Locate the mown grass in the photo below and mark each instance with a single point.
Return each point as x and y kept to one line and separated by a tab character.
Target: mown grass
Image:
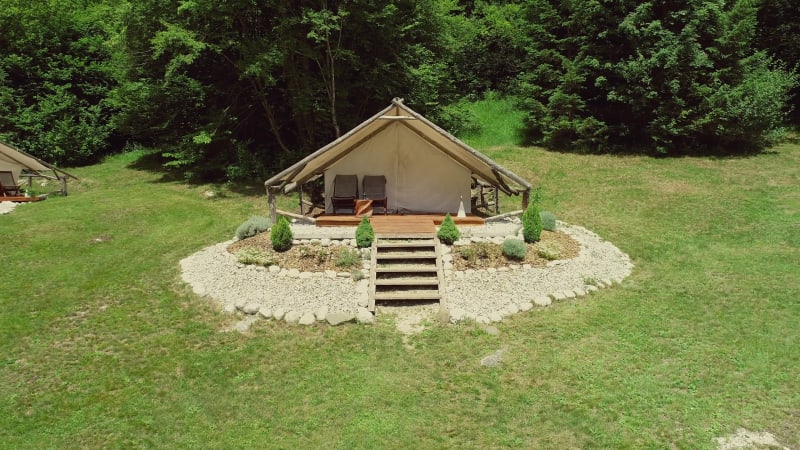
102	345
498	121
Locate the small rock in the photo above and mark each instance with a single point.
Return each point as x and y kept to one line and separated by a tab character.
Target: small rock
296	242
251	308
527	306
283	272
477	239
363	300
322	312
526	266
492	360
445	250
607	282
274	269
492	331
278	313
315	241
325	242
362	287
292	317
244	325
265	312
339	317
491	270
294	273
512	309
330	273
240	304
514	266
343	274
306	275
579	292
230	308
503	269
364	316
470	271
569	294
307	319
483	320
447	266
443	315
558	296
495	317
542	301
456	315
591	288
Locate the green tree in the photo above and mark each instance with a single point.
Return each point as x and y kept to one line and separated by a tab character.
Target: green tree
56	75
652	76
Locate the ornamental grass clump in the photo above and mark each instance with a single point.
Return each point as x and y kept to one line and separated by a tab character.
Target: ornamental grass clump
252	227
346	257
448	233
281	235
531	224
514	249
364	234
253	256
548	220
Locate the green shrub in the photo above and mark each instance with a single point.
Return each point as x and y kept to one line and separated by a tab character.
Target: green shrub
548	220
364	234
448	233
317	252
531	224
252	227
547	252
281	235
253	256
347	257
467	253
514	249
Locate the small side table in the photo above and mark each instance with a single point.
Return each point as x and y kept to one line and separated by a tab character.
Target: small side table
363	207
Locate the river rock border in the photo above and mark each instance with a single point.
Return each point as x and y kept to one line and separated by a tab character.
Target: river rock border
483	296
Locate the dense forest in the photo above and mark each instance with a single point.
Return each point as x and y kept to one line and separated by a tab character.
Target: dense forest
238	89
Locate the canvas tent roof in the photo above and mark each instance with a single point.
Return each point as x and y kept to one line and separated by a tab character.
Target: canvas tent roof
18	162
480	166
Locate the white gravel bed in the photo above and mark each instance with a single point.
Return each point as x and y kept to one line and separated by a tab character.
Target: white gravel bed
7	207
486	295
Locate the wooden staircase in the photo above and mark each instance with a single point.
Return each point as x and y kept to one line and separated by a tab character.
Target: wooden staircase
406	268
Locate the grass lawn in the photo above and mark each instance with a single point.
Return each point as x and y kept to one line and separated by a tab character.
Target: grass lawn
102	345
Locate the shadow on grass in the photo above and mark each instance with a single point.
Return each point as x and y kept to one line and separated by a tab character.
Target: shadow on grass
154	162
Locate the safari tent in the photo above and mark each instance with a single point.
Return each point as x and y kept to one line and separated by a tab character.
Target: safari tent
427	169
22	165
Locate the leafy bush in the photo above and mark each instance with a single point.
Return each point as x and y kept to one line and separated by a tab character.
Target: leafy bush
548	252
253	256
252	227
448	233
531	224
347	257
281	235
548	220
514	249
317	252
364	234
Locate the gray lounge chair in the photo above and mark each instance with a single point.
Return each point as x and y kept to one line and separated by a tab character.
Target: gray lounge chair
8	187
375	189
345	193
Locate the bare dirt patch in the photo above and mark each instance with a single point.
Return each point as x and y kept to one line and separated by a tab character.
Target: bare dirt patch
306	258
483	255
744	439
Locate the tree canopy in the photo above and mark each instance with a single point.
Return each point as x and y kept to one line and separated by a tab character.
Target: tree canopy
242	88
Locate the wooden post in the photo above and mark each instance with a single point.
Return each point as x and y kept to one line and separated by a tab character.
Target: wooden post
300	191
64	186
526	198
496	201
273	211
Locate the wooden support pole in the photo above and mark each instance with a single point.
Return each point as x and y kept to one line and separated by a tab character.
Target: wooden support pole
526	198
273	213
496	201
64	186
300	192
500	217
297	216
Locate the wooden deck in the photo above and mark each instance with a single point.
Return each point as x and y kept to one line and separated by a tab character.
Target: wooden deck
398	224
20	199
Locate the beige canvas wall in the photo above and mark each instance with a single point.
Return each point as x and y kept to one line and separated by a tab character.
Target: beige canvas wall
419	177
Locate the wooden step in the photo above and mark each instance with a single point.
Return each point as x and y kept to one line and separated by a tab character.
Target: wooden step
406	282
399	296
406	255
421	243
410	269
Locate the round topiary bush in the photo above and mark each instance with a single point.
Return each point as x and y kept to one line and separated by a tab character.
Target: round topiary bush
448	233
531	224
252	227
514	249
364	234
548	220
281	235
